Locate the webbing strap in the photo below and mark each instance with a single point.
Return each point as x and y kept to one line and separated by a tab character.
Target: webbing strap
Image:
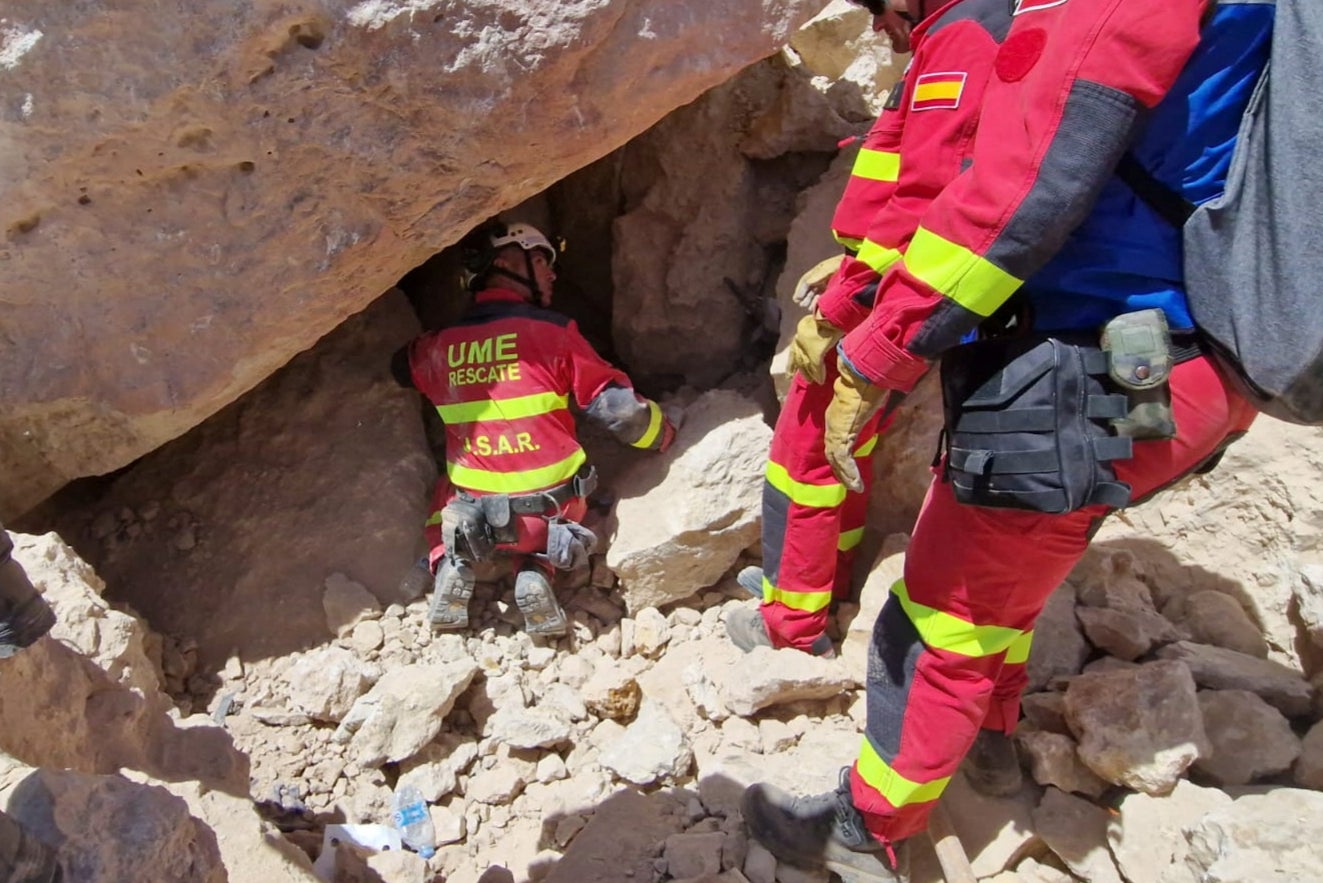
985	462
1113	447
1106	407
1027	420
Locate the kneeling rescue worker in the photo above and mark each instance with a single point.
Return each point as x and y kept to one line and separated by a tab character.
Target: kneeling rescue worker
516	478
1101	397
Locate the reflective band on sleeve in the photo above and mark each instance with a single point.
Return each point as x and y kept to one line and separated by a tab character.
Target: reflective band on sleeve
654	426
848	242
867	447
956	272
849	539
1018	652
815	496
877	165
878	257
433	519
503	409
809	602
898	790
515	482
942	631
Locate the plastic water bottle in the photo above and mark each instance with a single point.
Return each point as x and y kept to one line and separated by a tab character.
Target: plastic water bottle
413	821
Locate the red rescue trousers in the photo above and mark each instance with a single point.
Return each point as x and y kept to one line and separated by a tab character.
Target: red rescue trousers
975	581
812	525
531	530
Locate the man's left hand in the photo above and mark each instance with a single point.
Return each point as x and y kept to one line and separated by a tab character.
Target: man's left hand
854	401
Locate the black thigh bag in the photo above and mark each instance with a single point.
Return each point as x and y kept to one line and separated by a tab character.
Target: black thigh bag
1027	426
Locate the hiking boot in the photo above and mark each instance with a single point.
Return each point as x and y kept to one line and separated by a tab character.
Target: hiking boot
449	608
823	831
537	602
24	614
25	858
751	580
992	766
747	629
417	581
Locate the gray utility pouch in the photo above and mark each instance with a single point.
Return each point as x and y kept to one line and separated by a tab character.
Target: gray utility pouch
464	531
1027	426
1140	358
499	515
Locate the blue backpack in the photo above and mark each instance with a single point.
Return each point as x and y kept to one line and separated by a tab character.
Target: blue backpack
1254	256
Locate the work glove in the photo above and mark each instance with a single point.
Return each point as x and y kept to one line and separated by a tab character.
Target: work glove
854	401
811	285
814	338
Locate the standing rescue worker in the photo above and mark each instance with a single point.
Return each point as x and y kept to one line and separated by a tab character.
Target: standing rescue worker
812	523
516	478
1079	85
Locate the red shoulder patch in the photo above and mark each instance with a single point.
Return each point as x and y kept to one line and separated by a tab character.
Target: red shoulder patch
1018	55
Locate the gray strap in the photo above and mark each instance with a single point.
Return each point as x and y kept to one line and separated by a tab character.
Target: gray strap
1106	407
985	462
1027	420
1113	447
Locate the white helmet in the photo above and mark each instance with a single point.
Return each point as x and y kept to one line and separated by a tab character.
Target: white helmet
527	237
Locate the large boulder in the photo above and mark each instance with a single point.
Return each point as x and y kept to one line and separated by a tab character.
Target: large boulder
194	193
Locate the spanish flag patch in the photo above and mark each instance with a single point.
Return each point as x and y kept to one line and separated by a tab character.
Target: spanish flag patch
1022	6
939	91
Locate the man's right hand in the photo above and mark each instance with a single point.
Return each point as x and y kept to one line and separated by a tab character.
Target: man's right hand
814	338
811	285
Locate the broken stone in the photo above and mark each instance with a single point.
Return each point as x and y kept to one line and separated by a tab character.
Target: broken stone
346	604
1054	761
1250	739
403	711
1075	830
1059	648
326	683
1216	618
1147	834
1217	668
651	748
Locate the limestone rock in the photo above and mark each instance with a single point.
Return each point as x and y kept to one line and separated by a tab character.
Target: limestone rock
1059	648
619	842
1249	738
685	518
403	711
347	603
325	683
691	855
436	768
538	727
1281	830
239	150
1220	669
771	677
1140	728
1054	761
649	749
1216	618
85	815
1147	835
1308	772
1074	829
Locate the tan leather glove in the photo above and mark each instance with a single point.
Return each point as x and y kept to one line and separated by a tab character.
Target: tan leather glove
814	338
855	400
811	285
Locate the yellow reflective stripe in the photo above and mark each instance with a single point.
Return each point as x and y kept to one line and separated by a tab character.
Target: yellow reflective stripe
877	165
503	409
1018	652
849	539
898	790
878	257
956	272
433	519
848	242
516	482
817	496
654	426
942	631
809	602
867	447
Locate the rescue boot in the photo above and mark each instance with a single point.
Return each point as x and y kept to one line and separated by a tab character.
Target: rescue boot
449	608
24	614
537	602
992	766
415	582
24	858
823	831
751	580
747	629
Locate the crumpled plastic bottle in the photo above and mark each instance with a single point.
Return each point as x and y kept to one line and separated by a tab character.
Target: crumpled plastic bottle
414	822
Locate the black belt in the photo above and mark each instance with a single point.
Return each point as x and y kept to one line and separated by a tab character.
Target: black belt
555	498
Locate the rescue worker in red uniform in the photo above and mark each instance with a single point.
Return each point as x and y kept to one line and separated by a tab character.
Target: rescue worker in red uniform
812	523
516	478
1078	85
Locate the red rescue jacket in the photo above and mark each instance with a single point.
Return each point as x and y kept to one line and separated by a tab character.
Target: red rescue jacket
502	380
929	123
